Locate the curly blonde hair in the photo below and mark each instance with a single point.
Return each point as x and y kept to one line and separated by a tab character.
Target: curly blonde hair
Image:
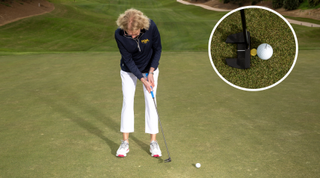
133	19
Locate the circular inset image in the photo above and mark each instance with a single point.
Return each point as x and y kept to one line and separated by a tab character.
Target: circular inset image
253	48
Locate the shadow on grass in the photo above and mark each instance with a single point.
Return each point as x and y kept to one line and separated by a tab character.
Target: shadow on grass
144	147
96	131
67	108
221	45
224	33
62	108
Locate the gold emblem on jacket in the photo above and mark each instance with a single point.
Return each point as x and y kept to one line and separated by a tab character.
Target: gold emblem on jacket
145	41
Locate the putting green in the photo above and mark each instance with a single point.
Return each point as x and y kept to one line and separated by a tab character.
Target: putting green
60	116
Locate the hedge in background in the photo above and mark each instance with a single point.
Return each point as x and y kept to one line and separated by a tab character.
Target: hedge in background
313	3
291	4
277	3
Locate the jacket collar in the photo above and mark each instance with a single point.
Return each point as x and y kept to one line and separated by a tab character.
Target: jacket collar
122	33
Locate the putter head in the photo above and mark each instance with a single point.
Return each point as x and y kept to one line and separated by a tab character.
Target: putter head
243	42
167	160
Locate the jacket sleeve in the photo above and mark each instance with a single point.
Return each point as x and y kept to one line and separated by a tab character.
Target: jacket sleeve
127	59
156	47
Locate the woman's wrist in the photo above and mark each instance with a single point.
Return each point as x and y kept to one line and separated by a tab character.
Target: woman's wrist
151	70
142	79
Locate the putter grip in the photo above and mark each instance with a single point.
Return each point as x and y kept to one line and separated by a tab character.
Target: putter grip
152	93
150	86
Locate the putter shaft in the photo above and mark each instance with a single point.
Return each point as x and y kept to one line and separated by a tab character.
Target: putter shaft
164	138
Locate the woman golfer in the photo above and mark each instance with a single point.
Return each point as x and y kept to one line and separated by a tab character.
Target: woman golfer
139	43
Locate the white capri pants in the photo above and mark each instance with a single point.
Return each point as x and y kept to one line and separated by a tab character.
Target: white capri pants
129	81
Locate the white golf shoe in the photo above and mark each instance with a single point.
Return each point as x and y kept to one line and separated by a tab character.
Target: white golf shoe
123	149
155	149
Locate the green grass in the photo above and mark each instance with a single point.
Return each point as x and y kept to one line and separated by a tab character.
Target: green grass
60	109
304	19
307	37
262	73
90	26
60	117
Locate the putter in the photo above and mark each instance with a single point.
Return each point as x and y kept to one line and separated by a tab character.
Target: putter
242	40
164	138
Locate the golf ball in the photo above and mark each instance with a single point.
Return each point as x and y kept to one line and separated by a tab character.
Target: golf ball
264	51
198	165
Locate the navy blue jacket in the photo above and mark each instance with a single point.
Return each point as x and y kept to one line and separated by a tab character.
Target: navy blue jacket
141	53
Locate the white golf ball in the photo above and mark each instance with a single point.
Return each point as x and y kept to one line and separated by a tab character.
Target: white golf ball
264	51
198	165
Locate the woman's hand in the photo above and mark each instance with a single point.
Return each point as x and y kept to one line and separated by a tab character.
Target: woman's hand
147	84
150	79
